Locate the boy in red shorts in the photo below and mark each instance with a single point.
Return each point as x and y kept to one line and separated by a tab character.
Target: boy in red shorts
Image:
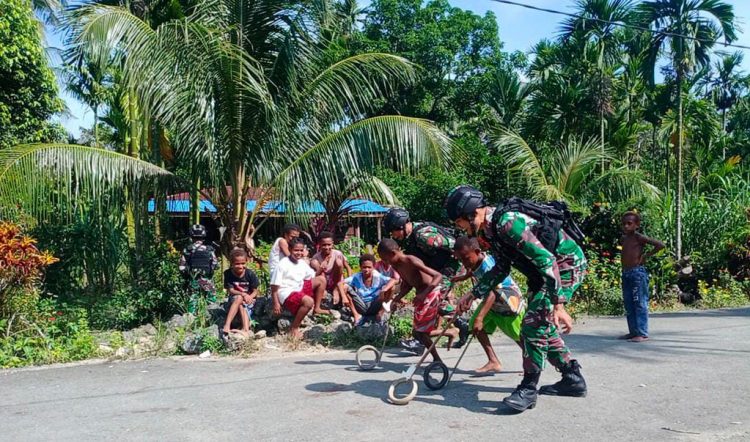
427	284
292	286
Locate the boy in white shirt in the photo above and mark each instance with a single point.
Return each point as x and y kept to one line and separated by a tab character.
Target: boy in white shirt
292	286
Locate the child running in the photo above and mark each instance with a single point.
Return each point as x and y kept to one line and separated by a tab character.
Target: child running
370	289
502	309
241	285
634	276
427	284
292	286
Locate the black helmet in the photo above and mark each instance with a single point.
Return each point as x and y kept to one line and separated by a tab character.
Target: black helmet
197	231
395	219
462	201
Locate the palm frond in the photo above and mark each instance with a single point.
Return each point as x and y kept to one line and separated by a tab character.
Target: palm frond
351	86
33	174
401	143
521	158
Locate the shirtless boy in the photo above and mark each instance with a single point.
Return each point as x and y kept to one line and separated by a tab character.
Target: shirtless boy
427	285
634	276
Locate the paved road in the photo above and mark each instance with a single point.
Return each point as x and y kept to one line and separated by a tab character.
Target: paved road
691	382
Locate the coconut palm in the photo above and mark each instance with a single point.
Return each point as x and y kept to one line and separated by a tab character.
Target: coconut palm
570	173
598	23
249	99
687	31
725	84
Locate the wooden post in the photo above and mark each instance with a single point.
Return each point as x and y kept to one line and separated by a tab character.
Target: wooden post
380	228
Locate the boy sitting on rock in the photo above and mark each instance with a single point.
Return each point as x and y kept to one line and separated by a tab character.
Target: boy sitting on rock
329	265
502	309
427	284
369	289
292	286
241	285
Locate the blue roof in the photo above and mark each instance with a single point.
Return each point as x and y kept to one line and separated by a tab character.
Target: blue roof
313	207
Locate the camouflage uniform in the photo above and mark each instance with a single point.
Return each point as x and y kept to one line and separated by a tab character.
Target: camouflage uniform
435	248
552	279
200	285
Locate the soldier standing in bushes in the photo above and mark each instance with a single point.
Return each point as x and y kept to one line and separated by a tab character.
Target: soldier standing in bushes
197	264
553	264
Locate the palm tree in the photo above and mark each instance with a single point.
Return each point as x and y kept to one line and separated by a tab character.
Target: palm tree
248	98
570	173
597	23
726	84
687	30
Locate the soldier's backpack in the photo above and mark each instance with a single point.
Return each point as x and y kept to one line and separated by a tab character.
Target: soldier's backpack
551	217
200	259
434	259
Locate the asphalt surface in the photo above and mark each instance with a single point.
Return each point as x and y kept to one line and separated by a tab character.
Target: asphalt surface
690	382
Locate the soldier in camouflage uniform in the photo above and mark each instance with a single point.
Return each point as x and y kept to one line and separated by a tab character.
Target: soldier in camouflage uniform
512	239
197	265
433	244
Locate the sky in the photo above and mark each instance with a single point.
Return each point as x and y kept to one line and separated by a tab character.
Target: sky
520	28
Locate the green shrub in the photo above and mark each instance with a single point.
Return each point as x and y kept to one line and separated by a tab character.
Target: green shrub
600	293
723	292
57	334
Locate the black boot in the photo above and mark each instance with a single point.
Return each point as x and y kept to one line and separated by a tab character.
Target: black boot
571	384
524	397
463	332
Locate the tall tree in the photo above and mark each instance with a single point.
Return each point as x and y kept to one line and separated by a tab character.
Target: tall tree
687	30
246	93
28	91
726	83
598	23
455	48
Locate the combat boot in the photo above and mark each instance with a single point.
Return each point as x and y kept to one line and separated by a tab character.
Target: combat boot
524	397
571	384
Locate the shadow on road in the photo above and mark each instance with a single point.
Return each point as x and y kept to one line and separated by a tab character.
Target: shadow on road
457	394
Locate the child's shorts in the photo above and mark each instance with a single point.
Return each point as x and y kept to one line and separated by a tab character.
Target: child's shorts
248	307
426	311
509	324
294	301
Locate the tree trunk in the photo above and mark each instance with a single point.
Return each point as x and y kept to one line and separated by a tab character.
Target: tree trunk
678	202
724	129
96	123
195	200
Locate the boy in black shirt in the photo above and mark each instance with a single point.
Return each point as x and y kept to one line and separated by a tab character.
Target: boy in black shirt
241	285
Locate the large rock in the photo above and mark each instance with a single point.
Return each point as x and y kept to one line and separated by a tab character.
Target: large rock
137	333
340	329
191	344
180	321
371	331
283	325
236	341
217	312
315	333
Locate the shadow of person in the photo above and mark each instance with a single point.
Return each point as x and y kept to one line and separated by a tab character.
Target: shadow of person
457	394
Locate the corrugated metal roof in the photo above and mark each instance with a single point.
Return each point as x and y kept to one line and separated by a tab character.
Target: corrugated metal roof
356	206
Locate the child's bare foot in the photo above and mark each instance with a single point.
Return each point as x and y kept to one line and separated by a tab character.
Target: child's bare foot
490	367
295	334
357	317
245	333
